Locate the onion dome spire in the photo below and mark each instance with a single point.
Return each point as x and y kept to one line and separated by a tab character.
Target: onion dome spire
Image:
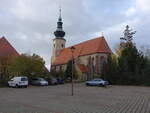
59	33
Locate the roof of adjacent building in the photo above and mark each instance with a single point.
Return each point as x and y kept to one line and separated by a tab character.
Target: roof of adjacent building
6	49
96	45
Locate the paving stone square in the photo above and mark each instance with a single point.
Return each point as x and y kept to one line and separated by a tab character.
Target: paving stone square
58	99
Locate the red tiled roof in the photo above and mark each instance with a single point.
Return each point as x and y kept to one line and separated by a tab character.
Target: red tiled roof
6	48
83	68
97	45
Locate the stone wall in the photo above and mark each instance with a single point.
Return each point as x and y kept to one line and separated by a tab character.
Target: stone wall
92	61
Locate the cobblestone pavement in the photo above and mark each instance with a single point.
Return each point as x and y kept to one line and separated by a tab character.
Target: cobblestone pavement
57	99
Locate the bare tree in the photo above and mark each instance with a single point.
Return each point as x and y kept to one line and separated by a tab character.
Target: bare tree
145	50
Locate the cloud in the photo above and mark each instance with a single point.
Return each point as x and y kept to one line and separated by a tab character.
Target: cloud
29	24
113	33
143	5
131	11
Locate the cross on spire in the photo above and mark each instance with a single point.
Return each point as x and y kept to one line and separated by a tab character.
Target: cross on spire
102	34
60	19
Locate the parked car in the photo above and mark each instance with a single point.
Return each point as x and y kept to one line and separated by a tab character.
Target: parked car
39	81
97	82
60	80
52	81
21	81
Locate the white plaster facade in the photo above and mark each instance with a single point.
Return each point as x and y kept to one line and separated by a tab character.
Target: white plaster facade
57	45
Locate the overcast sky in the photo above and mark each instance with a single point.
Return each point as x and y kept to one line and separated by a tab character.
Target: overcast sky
29	24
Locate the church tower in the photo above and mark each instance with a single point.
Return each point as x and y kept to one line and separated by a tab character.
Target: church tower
58	41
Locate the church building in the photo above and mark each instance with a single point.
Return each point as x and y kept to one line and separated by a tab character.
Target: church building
89	56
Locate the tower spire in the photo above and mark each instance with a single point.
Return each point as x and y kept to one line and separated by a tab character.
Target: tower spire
59	33
58	41
60	19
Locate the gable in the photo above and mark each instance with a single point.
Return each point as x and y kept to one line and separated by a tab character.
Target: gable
6	49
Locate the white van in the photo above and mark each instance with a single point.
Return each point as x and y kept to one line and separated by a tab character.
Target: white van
21	81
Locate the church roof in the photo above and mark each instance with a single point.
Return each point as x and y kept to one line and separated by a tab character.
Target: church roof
96	45
6	49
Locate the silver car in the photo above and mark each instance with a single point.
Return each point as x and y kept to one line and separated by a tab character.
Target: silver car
39	81
97	82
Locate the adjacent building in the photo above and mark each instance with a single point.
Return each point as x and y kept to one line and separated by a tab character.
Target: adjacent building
7	51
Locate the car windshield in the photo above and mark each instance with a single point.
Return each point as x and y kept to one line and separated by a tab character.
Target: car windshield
97	80
53	78
41	79
24	79
11	79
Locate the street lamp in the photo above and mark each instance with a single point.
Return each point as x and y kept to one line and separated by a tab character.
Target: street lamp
72	51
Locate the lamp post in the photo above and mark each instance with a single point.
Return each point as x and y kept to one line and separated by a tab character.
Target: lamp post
72	51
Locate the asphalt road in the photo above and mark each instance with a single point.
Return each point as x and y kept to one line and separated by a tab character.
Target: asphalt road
58	99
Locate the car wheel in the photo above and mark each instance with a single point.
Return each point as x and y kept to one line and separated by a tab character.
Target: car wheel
105	86
25	86
87	84
17	86
100	85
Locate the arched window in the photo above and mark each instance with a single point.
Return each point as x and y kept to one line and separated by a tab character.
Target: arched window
102	64
62	45
96	58
97	64
89	60
93	59
102	57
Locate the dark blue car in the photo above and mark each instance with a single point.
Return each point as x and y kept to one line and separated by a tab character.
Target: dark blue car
60	81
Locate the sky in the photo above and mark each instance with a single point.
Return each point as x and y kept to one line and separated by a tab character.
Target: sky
29	24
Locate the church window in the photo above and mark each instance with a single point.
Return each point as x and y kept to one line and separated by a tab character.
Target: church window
62	45
102	63
89	60
60	68
102	57
93	59
96	58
